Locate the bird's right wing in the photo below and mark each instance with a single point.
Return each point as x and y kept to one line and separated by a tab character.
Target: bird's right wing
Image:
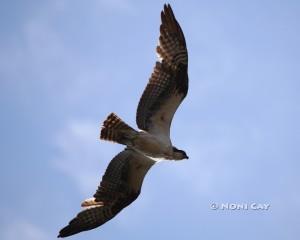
120	186
168	84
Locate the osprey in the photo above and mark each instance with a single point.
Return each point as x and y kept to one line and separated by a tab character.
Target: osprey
123	178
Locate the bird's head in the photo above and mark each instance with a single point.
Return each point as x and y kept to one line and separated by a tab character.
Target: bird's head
179	154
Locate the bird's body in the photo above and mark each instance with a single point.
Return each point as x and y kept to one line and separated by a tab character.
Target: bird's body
152	146
167	87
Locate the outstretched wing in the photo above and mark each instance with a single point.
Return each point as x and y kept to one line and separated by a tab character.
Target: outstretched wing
168	84
120	186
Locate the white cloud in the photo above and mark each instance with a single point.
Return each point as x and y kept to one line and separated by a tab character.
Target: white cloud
120	5
24	230
40	53
81	156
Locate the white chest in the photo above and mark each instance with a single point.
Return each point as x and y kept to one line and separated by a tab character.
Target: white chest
152	146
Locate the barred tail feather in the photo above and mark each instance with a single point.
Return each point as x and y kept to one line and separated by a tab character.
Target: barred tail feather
116	130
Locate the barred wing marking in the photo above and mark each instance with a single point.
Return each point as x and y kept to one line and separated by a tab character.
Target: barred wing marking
120	186
168	84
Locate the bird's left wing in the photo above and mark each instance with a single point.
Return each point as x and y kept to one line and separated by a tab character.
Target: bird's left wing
168	84
120	186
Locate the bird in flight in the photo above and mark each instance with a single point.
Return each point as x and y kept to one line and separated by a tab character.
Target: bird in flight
123	178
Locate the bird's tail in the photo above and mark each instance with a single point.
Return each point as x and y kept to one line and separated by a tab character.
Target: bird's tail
116	130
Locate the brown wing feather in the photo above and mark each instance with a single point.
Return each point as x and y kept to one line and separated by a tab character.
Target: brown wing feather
168	84
120	186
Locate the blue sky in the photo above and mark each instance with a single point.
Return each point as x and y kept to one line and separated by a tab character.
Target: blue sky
65	65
